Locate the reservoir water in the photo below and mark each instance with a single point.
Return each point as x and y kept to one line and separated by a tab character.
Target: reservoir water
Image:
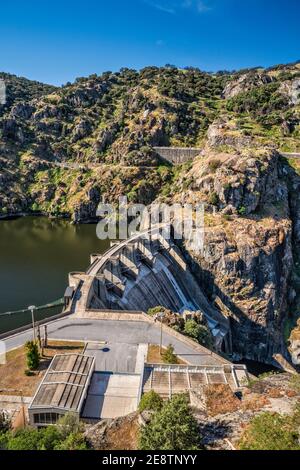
36	255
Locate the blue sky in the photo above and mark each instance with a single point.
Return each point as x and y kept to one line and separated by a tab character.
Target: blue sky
57	41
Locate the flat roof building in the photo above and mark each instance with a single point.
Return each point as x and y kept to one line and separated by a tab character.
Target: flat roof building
62	390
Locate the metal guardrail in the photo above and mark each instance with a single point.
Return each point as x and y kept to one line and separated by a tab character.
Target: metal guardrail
28	327
56	303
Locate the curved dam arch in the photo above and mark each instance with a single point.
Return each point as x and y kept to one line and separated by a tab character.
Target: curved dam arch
143	272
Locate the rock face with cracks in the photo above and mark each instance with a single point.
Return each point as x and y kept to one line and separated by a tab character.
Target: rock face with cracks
247	259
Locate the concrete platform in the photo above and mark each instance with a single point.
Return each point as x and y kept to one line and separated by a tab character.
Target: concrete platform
113	357
111	395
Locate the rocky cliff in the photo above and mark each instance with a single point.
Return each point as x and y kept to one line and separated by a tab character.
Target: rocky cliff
62	150
94	137
247	261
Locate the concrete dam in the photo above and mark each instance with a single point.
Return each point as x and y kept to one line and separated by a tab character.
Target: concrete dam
142	272
180	155
177	155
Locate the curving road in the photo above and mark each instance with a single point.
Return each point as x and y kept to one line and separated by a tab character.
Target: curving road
119	336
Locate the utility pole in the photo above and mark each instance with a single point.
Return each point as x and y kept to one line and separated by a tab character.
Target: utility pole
40	339
39	335
161	316
32	309
46	336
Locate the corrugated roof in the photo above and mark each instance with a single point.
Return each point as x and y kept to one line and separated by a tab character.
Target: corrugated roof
64	383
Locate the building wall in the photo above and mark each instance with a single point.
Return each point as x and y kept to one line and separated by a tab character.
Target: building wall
47	419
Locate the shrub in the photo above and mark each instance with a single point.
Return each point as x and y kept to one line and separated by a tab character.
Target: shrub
214	165
50	437
33	355
67	435
295	382
171	428
3	440
35	207
75	441
69	424
270	431
198	332
155	310
262	100
168	355
151	401
25	439
213	199
242	210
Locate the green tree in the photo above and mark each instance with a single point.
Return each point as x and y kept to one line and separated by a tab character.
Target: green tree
66	435
172	428
213	199
74	441
24	439
198	332
270	431
153	311
168	355
151	401
192	329
32	355
50	437
3	440
69	424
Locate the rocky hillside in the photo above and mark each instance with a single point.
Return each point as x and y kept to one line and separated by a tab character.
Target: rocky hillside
247	262
62	150
224	419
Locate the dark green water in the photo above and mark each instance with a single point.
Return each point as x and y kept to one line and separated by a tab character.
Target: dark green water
36	255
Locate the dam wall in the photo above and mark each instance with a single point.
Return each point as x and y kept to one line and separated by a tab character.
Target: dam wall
177	155
180	155
143	272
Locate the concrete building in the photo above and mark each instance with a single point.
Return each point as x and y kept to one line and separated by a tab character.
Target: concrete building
62	390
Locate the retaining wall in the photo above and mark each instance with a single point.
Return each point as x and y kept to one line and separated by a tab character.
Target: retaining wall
177	155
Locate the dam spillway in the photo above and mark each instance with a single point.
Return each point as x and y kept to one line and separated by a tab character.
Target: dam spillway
140	273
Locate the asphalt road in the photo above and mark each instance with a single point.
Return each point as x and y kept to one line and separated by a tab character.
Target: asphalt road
115	334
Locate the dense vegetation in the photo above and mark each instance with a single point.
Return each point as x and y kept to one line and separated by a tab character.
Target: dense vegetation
168	355
151	401
260	103
20	89
113	120
171	428
66	436
272	431
198	332
32	355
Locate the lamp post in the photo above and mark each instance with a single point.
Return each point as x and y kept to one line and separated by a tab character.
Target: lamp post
32	309
161	316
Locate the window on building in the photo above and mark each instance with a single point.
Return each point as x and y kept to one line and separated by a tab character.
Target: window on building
46	418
